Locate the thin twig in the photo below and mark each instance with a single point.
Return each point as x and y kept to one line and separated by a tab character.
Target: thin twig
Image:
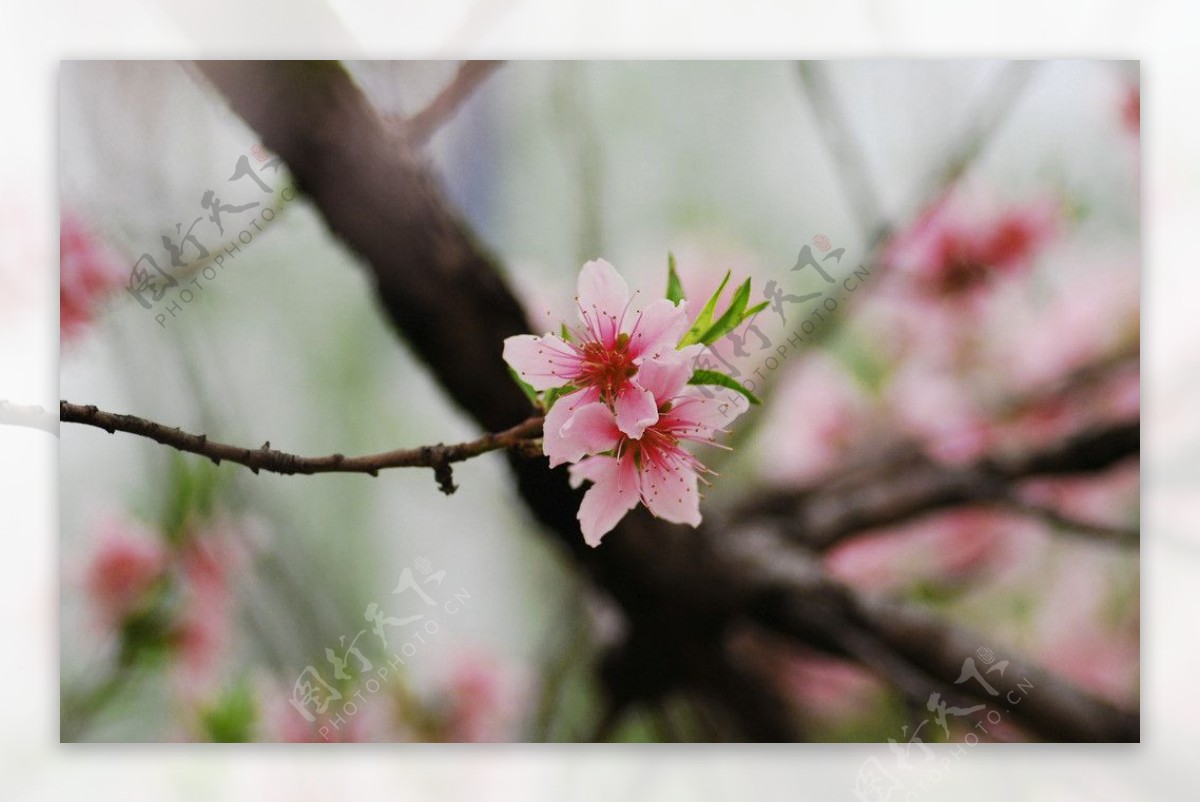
438	457
420	127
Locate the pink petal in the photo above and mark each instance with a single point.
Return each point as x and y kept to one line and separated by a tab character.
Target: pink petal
636	409
695	415
603	297
614	493
559	449
591	429
666	377
671	493
544	362
658	329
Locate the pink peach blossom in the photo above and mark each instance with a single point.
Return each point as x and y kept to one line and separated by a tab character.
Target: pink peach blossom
654	469
128	562
486	699
88	270
1131	110
818	415
603	359
208	562
959	245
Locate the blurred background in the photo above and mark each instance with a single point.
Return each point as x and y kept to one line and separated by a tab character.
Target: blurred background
991	209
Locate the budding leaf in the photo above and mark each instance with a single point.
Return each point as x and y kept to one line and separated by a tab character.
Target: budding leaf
565	333
674	286
704	320
718	378
732	317
757	308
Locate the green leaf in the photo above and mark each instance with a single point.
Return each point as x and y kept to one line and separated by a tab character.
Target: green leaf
718	378
554	394
527	388
732	317
757	308
565	333
674	286
704	320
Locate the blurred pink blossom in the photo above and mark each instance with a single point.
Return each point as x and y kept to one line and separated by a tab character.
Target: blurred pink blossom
1131	109
1077	634
88	271
952	548
827	687
960	244
485	700
817	415
375	718
1108	498
129	560
939	409
208	561
1089	316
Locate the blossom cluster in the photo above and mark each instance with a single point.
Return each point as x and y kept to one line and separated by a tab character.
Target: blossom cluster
622	398
960	244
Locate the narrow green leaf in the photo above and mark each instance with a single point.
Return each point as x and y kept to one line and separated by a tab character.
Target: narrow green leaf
732	317
704	320
565	333
757	308
674	286
527	388
718	378
554	394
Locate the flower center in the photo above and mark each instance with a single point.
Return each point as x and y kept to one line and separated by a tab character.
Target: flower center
607	369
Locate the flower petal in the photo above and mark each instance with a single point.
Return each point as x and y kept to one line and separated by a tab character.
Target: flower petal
603	297
544	362
658	329
635	408
697	412
614	493
590	429
670	492
666	377
558	448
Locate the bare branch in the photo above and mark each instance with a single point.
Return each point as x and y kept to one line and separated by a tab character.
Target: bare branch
914	649
841	143
438	457
894	491
420	127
